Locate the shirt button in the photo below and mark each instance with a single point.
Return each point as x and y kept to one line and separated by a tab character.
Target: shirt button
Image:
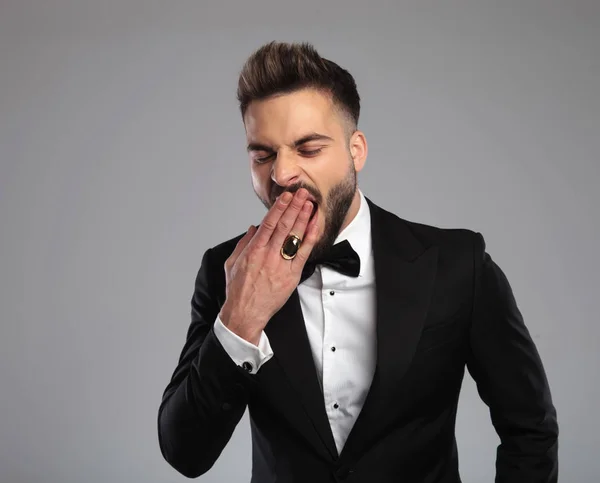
247	366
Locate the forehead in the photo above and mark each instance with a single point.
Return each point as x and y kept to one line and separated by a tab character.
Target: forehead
286	117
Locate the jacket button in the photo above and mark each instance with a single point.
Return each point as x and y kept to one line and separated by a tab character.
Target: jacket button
343	473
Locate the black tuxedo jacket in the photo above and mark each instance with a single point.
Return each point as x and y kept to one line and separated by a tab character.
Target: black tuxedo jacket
442	305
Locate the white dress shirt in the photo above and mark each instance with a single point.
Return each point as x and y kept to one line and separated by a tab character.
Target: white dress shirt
339	315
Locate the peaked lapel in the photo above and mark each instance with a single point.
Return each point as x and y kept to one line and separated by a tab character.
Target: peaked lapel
405	272
404	275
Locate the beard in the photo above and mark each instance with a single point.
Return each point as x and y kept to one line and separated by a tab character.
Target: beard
334	208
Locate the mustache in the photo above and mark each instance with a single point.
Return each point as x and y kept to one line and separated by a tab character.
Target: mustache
313	192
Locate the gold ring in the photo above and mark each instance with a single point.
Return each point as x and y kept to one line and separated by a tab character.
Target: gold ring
290	246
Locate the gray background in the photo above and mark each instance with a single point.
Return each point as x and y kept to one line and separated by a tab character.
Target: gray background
122	160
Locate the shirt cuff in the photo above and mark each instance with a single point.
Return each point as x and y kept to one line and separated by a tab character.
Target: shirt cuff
242	352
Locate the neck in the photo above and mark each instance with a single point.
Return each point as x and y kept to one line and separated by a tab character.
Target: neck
352	211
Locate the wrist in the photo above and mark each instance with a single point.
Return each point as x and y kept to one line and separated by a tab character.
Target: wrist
240	326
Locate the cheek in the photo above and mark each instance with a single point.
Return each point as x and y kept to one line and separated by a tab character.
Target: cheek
321	221
260	179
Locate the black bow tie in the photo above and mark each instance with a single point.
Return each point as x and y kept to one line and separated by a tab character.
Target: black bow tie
341	257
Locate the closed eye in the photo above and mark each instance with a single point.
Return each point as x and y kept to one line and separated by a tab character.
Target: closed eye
303	152
312	152
264	159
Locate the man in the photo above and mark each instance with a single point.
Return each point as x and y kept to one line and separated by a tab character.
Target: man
345	329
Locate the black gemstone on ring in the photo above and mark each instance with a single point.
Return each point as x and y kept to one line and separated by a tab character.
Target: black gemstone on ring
291	245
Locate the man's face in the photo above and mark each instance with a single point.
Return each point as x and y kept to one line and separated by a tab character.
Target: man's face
299	140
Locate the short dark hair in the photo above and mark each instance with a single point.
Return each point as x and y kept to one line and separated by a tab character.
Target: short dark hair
283	68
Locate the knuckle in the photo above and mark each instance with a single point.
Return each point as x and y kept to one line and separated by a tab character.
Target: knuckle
285	225
301	257
269	224
277	210
252	256
304	215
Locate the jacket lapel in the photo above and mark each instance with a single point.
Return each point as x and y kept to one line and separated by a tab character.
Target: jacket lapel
405	271
404	275
289	340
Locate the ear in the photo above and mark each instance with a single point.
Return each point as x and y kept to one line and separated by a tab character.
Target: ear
358	149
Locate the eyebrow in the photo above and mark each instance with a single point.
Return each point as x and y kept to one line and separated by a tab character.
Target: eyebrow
305	139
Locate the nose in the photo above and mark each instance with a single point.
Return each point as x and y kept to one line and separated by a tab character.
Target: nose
285	169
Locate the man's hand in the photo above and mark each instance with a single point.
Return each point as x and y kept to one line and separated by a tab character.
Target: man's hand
259	280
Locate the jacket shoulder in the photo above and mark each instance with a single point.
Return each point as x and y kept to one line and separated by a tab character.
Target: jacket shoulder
448	239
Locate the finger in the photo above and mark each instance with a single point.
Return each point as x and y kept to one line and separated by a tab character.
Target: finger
301	222
241	244
269	223
308	242
288	219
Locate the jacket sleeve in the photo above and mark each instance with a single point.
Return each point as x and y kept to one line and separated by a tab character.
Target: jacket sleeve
208	392
510	379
